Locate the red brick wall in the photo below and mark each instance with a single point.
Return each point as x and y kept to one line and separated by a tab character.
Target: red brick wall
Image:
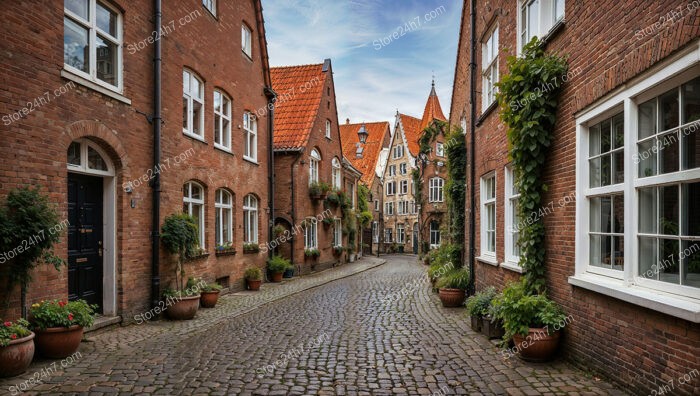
637	347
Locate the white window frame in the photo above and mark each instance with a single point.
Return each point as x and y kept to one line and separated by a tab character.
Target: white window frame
400	233
191	98
336	174
439	149
314	160
311	233
91	25
403	189
375	232
250	135
489	69
511	197
210	5
398	151
224	209
391	188
403	168
220	116
388	235
328	129
250	219
436	187
389	208
337	233
486	203
549	14
392	170
435	237
247	40
376	205
192	205
627	284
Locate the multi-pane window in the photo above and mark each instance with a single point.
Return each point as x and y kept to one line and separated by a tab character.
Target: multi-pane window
512	234
398	151
375	232
436	185
388	235
328	129
224	217
389	208
192	105
537	18
337	233
392	170
210	5
401	208
606	155
434	234
250	134
488	215
311	233
403	168
412	207
193	204
336	174
376	205
250	219
489	69
439	149
314	159
400	233
247	41
222	121
391	188
404	187
92	41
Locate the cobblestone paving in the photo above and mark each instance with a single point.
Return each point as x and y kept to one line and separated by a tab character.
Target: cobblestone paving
340	338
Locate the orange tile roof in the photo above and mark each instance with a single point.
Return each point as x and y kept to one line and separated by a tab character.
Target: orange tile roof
299	91
432	111
412	131
376	133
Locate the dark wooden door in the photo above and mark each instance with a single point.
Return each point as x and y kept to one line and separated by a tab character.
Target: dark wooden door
367	241
85	238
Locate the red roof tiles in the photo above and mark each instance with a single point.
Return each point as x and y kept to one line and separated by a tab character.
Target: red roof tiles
376	133
412	131
432	111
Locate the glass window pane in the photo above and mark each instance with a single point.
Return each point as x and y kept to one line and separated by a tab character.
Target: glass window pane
668	210
618	247
669	110
691	208
78	7
76	50
217	102
601	252
690	135
107	62
668	153
197	117
197	214
618	214
648	258
227	226
691	101
559	9
595	172
217	129
106	20
648	215
619	167
95	161
600	220
669	262
605	170
605	139
196	192
533	19
647	119
74	154
196	88
185	113
618	131
646	158
594	145
690	257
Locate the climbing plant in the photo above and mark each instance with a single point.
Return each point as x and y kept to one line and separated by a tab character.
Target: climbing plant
456	152
528	101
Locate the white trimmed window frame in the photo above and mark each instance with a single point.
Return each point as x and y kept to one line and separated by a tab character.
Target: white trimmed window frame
511	221
389	208
250	219
439	149
400	233
336	174
222	120
337	233
489	69
328	129
195	208
314	160
434	234
546	14
403	168
247	41
376	205
250	135
375	232
210	5
388	235
398	151
403	188
392	170
488	208
91	25
436	185
224	210
191	96
391	188
628	284
311	233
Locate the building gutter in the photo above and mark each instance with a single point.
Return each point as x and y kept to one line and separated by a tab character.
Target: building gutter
271	98
157	122
472	142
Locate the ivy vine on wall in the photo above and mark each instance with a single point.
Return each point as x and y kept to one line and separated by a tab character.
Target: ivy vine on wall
528	97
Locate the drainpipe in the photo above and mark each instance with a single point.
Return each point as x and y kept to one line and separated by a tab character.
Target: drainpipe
294	195
472	151
157	120
271	98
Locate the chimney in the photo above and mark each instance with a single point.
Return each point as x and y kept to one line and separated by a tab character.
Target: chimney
347	121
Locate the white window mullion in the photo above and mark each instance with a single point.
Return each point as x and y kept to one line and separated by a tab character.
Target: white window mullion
631	264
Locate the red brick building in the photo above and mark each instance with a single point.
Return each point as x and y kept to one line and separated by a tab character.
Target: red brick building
88	139
365	157
622	215
308	149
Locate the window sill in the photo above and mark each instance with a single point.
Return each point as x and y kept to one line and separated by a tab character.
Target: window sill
251	160
195	137
95	87
222	148
669	304
486	112
509	265
488	260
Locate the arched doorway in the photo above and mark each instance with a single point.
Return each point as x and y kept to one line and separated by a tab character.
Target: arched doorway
91	230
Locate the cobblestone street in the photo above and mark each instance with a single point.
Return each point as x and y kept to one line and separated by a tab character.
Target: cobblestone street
338	332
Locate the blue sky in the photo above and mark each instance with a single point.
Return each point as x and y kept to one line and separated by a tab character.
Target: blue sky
375	74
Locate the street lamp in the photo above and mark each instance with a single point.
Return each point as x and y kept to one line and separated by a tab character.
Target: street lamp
362	134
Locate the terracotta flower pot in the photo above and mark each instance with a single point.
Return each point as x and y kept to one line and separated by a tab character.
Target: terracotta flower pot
17	356
253	285
209	299
537	346
58	342
452	298
182	308
277	276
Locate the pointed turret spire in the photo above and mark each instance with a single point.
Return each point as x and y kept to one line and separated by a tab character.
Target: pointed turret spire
432	108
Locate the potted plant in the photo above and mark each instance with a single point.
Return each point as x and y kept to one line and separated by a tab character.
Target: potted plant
312	253
209	291
179	236
225	249
327	221
315	190
351	253
277	265
338	250
16	347
325	189
333	198
278	230
533	321
452	287
253	277
289	272
478	307
251	248
28	216
59	326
